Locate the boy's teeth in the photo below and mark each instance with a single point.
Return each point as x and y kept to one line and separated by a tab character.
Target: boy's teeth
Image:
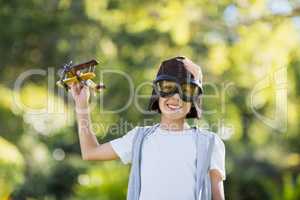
173	107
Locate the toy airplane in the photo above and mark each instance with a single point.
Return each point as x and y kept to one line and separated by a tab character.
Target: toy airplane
82	73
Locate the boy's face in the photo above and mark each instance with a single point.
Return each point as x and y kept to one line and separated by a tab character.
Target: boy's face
174	107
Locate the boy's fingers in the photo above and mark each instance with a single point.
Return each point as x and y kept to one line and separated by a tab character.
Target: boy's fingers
72	86
78	86
74	89
85	87
193	68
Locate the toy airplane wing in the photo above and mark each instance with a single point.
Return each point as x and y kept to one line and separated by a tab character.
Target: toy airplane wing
81	73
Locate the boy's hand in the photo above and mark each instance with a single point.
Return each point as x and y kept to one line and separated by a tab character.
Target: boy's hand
81	94
192	68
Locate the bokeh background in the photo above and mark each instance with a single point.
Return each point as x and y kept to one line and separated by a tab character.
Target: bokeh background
248	50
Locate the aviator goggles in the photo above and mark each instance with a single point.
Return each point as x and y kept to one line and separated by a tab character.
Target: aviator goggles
166	86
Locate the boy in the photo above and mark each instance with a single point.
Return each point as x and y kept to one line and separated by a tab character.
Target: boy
170	160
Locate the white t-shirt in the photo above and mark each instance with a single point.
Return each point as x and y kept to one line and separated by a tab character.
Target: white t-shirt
168	165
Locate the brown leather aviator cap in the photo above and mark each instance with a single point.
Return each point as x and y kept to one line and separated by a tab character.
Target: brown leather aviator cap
176	68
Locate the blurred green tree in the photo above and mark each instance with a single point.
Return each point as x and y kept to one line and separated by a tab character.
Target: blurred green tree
239	44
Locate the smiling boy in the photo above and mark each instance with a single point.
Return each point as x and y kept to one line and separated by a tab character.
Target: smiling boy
170	160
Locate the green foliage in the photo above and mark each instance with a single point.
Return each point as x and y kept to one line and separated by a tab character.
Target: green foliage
291	187
107	181
11	168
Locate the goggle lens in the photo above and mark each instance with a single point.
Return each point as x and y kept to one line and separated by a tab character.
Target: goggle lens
167	86
187	91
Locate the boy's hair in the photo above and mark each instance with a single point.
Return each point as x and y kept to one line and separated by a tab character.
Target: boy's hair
175	67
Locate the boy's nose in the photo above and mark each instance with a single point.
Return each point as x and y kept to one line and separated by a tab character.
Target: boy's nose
175	96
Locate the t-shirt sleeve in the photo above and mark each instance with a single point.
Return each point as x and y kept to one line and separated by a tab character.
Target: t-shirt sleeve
123	146
218	157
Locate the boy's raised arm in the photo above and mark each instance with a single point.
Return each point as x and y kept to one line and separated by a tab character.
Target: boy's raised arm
90	147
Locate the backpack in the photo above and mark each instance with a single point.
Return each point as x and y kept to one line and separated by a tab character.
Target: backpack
204	144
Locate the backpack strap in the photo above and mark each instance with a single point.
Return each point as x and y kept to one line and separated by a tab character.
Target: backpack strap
134	184
204	143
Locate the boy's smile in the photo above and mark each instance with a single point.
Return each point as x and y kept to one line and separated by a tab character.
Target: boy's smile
174	106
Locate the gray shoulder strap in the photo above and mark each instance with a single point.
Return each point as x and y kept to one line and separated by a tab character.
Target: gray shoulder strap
141	133
209	151
206	182
204	152
134	183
